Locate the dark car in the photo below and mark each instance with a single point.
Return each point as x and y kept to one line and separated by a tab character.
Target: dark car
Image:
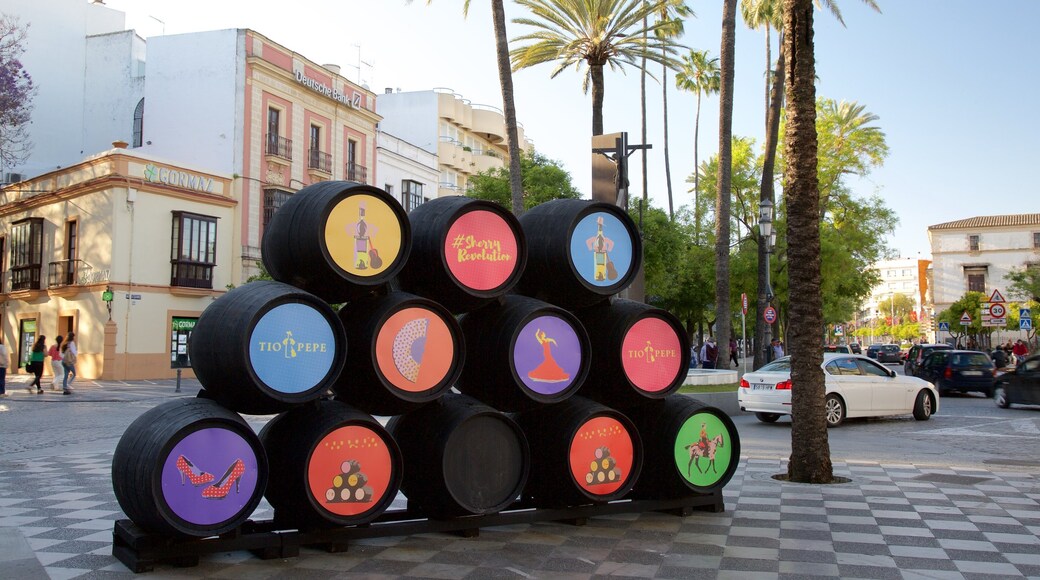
872	350
855	348
837	348
916	355
958	370
886	353
1021	386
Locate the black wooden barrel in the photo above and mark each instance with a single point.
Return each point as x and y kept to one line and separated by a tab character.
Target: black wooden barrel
337	239
189	467
586	453
404	351
640	351
335	466
523	352
465	252
690	447
461	457
578	252
266	346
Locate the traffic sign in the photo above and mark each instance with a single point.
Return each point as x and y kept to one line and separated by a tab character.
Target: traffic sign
769	315
743	303
965	319
1025	324
944	327
1025	313
996	296
997	310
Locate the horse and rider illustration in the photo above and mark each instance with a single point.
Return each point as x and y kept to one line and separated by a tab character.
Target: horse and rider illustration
705	447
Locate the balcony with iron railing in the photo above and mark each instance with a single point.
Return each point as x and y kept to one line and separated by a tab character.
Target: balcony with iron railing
319	160
65	272
279	147
358	173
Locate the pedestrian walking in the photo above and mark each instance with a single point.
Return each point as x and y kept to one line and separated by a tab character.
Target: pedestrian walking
778	349
709	354
36	357
68	361
733	351
4	355
55	353
695	359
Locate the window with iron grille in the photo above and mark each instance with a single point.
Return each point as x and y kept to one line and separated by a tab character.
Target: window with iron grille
973	243
71	250
1036	240
138	124
273	199
26	253
193	250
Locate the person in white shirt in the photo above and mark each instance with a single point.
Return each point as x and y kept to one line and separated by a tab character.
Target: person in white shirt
68	361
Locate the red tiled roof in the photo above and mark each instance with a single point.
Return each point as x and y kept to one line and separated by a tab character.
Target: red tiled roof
991	221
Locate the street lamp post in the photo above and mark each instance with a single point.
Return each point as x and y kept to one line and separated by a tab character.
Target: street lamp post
765	229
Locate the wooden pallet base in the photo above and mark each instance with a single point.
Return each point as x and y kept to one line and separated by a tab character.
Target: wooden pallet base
140	550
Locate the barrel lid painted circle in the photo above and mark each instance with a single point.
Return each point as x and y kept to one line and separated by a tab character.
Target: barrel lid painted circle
481	250
703	449
650	355
209	476
363	235
601	249
547	355
350	470
292	348
601	455
415	349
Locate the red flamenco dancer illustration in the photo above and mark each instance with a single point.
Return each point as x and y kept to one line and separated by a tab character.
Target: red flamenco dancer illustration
233	475
548	371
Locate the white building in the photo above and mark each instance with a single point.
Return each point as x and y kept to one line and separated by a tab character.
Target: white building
904	276
405	171
977	253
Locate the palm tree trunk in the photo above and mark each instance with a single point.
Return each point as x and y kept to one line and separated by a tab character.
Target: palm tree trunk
642	110
596	73
505	76
810	451
697	174
667	165
722	202
766	193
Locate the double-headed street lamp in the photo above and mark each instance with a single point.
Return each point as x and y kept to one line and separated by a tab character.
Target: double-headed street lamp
765	229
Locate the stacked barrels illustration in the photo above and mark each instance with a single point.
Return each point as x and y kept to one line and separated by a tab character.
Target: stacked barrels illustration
564	392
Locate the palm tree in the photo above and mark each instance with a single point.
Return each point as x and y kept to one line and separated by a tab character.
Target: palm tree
698	74
768	14
505	77
810	451
593	32
674	13
723	194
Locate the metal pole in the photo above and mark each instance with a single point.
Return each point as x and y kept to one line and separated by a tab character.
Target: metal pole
767	328
178	381
743	333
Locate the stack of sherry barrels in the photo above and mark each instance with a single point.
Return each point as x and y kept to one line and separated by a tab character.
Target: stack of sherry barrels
476	336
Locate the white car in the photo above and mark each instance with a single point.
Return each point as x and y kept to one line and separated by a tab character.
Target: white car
856	386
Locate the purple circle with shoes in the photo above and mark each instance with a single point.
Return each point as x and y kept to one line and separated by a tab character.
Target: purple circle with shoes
209	476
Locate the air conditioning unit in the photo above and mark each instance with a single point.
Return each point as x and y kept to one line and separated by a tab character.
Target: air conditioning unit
13	177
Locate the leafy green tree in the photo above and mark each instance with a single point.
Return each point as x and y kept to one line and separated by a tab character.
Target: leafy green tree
16	94
899	305
971	303
593	34
543	180
698	74
1024	283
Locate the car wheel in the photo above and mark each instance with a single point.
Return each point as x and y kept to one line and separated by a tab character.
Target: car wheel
767	417
1000	398
924	406
834	410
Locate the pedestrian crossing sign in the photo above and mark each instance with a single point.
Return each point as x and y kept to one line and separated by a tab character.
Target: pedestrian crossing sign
944	327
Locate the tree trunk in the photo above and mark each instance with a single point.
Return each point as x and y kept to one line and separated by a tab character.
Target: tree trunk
810	451
505	76
596	72
766	193
667	166
697	174
722	201
642	111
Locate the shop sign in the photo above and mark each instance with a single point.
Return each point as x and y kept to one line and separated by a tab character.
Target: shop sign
328	91
166	176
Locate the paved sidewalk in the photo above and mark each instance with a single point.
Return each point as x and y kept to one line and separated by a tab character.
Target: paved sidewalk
97	391
890	521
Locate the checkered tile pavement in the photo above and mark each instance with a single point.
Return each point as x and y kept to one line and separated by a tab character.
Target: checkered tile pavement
890	521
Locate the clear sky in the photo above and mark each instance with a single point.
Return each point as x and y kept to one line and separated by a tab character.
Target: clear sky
953	82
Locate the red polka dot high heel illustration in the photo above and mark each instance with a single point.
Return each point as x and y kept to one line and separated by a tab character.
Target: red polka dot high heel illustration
220	489
195	475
